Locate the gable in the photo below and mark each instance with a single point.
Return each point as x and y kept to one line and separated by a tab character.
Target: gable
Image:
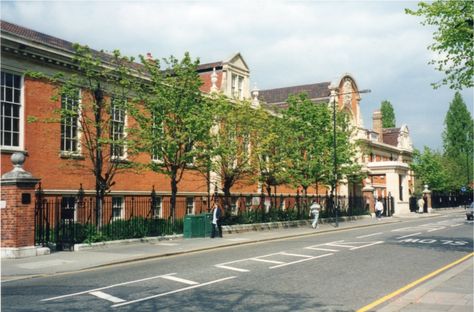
237	61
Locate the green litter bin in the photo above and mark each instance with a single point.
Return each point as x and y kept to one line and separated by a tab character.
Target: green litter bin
191	226
207	219
197	225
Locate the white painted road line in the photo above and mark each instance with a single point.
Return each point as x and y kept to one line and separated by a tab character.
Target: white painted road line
180	280
267	261
369	235
367	245
295	255
173	292
409	235
106	287
231	268
321	249
453	225
105	296
302	260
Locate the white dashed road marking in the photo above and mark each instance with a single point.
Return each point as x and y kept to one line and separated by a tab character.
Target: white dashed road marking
369	235
106	287
299	261
173	291
105	296
180	280
409	235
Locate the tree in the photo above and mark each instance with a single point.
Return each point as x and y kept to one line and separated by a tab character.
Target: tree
232	143
453	39
272	157
174	118
458	135
429	169
94	102
310	143
388	115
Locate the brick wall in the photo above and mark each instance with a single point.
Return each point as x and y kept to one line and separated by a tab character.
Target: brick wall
17	219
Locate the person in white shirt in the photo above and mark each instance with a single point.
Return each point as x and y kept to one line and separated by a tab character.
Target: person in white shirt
314	210
421	204
378	209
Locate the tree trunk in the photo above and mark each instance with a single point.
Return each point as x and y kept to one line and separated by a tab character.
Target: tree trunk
269	192
226	189
174	192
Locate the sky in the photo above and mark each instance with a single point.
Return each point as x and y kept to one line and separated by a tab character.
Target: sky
285	43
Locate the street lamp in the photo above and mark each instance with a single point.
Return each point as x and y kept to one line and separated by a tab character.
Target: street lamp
333	196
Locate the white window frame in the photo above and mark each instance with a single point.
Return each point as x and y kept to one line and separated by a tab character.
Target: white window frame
73	199
21	114
188	198
237	86
158	207
240	87
114	207
78	151
123	156
154	157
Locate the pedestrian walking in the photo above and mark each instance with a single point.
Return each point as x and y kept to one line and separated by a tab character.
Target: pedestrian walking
378	209
314	210
421	204
216	221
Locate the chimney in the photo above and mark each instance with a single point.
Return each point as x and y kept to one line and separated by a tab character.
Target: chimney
377	124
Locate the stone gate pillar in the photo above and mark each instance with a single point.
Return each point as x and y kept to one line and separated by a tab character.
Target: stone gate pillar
368	194
427	196
17	208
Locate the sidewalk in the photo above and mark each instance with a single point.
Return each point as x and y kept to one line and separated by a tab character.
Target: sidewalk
133	250
449	291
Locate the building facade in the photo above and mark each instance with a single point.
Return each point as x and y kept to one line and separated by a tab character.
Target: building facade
51	150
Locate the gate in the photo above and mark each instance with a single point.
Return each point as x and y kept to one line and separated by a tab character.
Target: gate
54	221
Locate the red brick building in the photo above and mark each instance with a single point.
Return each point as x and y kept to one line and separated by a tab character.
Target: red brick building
384	156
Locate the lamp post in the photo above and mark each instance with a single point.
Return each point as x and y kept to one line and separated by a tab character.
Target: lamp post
333	196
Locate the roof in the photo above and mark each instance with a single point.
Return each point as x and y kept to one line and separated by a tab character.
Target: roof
279	96
55	42
390	136
36	36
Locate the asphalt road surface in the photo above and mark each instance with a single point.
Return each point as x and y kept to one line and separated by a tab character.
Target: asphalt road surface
336	271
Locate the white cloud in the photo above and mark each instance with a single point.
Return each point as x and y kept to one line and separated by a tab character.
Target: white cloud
284	42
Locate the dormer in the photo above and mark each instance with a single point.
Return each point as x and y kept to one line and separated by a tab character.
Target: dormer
235	78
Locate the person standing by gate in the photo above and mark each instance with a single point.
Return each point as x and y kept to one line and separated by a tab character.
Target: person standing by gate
378	209
421	205
216	221
314	210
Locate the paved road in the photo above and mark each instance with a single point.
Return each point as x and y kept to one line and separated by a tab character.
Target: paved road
336	271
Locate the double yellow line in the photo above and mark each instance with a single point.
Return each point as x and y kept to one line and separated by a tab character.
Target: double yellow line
413	284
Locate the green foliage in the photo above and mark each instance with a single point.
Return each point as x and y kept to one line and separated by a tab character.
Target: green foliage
272	157
458	134
308	137
388	115
234	141
440	173
309	143
453	39
173	118
458	137
93	116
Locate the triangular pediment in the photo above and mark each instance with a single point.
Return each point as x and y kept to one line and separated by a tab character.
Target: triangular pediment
237	61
